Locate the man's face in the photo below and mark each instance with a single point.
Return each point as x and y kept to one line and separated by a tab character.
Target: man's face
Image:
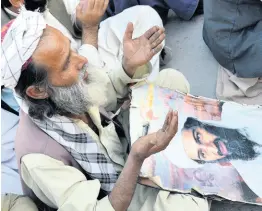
62	63
201	145
70	87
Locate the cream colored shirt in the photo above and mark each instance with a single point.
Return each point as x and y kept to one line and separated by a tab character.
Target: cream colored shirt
66	188
111	33
61	187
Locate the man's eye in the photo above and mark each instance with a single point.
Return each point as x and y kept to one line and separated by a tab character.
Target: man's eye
67	64
202	154
198	137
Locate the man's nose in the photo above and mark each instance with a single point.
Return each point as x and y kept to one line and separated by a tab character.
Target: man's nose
210	149
81	61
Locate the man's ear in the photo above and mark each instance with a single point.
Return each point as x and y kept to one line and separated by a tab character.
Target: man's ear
36	92
16	3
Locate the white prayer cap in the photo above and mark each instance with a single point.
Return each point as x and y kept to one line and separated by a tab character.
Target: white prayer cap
19	43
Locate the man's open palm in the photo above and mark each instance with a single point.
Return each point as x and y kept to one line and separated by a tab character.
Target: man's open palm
140	51
158	141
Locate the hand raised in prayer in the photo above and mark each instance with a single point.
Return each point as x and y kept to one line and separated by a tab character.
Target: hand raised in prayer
156	142
140	51
90	12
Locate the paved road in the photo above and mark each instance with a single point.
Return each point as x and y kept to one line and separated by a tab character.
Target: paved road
225	206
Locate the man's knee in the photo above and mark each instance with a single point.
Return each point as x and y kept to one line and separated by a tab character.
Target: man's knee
13	202
188	202
147	12
173	79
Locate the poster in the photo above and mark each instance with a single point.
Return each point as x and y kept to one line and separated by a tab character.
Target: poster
216	151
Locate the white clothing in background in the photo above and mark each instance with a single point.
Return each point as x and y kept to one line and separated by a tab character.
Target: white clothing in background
111	33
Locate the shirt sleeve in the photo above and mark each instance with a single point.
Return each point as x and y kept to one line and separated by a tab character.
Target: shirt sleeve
118	77
62	187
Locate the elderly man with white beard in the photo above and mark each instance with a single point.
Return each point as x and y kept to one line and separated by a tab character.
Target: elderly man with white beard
69	157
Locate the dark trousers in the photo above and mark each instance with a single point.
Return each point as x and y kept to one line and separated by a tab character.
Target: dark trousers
185	9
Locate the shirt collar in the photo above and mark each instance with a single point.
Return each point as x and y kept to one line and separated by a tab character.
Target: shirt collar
10	12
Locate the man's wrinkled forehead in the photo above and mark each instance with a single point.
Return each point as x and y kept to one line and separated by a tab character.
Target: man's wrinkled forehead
53	46
51	40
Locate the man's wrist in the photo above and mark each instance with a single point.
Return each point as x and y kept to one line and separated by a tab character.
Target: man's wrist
90	28
136	157
90	35
130	71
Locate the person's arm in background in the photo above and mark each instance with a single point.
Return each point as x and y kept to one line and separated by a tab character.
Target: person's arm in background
66	188
89	13
137	52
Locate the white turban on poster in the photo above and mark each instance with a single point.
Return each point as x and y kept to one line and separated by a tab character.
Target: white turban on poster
175	153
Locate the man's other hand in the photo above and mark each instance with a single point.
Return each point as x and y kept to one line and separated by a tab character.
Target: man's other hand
156	142
140	51
90	12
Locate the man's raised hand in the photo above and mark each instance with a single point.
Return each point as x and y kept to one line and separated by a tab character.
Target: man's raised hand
156	142
90	12
140	51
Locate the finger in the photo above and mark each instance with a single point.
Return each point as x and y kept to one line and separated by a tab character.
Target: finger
90	4
172	129
167	120
129	32
151	31
79	9
99	4
160	138
154	51
162	141
175	113
156	35
153	141
158	41
105	5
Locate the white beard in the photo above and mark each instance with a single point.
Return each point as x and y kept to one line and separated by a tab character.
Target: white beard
95	90
77	98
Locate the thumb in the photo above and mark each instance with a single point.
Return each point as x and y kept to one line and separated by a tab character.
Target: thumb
129	32
79	9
